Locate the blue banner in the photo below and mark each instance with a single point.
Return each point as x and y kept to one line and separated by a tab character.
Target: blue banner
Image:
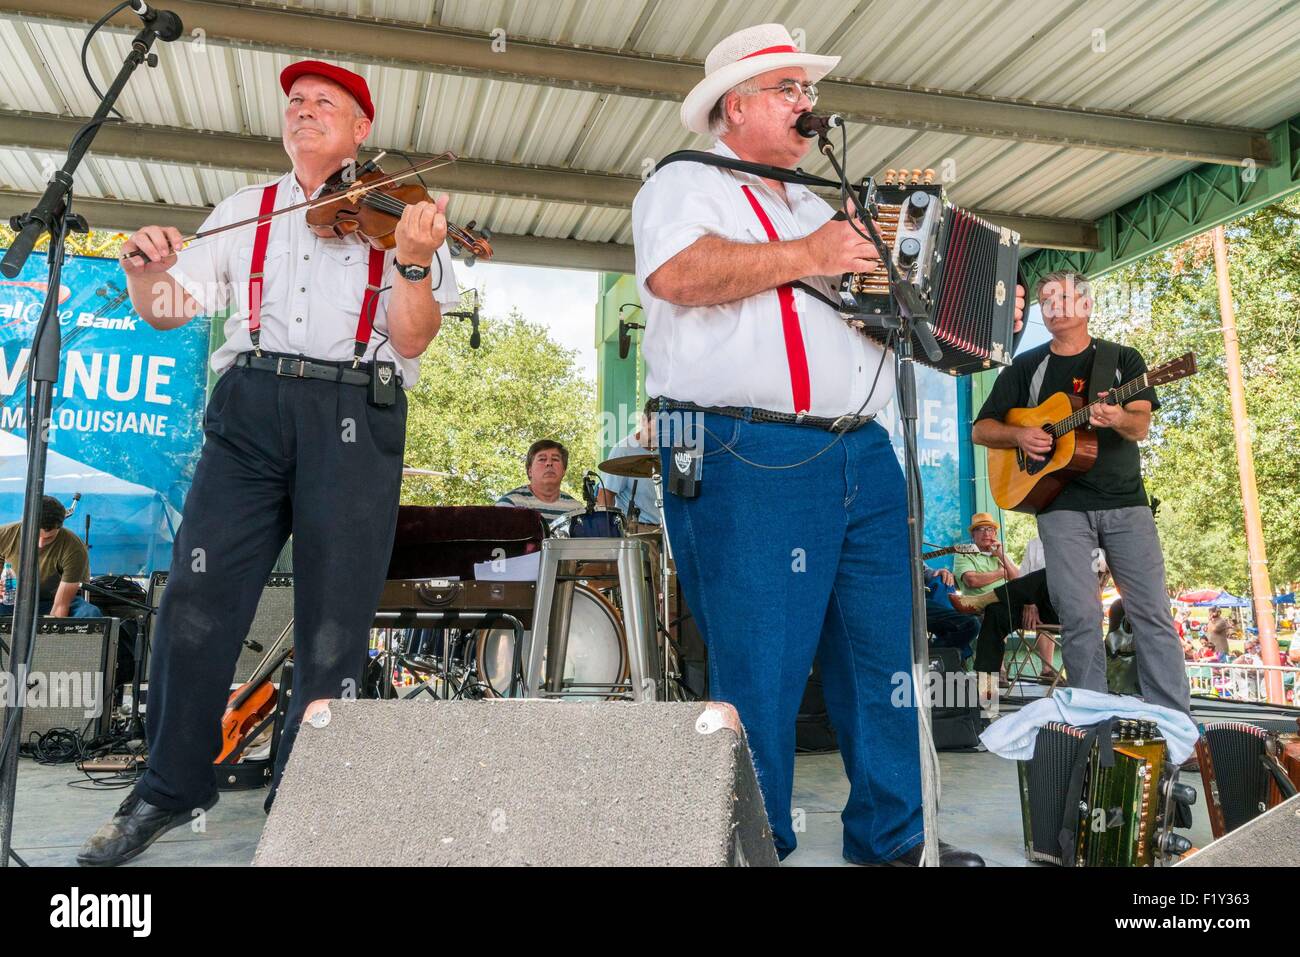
127	411
938	452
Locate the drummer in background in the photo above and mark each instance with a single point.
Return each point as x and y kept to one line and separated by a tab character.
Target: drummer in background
622	491
546	463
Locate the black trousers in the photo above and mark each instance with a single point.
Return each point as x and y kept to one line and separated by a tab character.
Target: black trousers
1003	616
280	455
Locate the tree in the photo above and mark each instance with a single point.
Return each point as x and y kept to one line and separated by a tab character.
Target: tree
1166	305
474	412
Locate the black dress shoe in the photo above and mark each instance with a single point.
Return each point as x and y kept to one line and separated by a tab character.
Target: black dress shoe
135	826
949	856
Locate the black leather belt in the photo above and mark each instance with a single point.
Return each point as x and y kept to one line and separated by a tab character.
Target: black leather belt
842	423
299	367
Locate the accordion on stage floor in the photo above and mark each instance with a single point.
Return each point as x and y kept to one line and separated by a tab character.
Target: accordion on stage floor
963	267
1246	770
1103	796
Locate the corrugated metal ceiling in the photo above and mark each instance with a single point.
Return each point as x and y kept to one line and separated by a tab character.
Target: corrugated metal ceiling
1220	61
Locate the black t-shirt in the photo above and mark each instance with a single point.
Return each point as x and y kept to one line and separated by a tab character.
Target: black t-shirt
1115	481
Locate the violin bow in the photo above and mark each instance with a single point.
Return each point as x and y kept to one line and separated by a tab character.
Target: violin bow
443	159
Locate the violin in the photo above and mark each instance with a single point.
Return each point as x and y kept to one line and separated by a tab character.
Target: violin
366	201
372	211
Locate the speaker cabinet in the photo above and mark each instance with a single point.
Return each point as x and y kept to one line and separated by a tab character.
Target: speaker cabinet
519	782
274	612
69	676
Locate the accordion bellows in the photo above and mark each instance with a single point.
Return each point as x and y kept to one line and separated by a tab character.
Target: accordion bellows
964	268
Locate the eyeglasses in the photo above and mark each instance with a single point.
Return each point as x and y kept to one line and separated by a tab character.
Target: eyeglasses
792	90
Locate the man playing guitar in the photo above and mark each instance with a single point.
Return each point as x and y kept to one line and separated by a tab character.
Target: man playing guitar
1105	507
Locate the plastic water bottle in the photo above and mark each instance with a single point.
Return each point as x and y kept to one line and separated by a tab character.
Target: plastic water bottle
10	584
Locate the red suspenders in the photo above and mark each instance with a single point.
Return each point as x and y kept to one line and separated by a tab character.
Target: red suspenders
261	236
796	357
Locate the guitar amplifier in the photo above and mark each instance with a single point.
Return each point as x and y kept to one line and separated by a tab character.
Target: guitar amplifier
274	613
70	677
404	597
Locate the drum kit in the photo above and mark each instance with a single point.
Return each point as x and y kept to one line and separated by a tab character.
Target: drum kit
486	662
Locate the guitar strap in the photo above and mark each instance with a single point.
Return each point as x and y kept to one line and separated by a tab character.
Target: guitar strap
1105	369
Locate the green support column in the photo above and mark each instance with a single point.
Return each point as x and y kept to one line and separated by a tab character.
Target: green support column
620	383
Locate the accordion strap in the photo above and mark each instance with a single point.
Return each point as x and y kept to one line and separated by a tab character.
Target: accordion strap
1098	735
778	173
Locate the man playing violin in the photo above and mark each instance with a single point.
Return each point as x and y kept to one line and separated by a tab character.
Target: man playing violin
304	434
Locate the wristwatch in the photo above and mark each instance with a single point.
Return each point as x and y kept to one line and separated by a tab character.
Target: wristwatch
412	273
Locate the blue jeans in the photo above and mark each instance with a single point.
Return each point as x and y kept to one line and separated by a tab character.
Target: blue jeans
781	565
950	628
80	608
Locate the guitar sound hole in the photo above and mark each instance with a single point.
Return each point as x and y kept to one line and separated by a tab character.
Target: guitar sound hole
1034	467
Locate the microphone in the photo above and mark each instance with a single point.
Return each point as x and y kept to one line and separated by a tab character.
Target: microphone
810	124
589	490
67	513
164	23
624	328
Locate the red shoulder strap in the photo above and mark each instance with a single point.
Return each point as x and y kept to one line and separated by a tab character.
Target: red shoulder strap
796	357
369	303
261	236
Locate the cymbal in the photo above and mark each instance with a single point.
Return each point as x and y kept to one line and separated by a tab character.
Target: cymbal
409	472
643	466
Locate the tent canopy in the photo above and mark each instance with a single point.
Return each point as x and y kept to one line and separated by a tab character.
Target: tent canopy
131	526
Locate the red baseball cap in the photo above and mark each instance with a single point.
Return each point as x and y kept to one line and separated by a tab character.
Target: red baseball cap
354	83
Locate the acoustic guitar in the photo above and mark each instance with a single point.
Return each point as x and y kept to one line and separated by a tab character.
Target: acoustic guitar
1023	485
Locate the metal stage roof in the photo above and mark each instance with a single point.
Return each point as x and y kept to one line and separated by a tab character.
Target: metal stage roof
1047	113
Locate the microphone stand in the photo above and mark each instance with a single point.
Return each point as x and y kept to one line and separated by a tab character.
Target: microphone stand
51	214
909	318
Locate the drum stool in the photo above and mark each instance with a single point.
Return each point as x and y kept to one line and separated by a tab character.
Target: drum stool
564	562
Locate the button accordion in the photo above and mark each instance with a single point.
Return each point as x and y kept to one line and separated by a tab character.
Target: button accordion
964	270
1103	796
1246	770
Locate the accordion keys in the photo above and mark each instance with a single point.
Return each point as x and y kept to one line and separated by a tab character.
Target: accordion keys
964	269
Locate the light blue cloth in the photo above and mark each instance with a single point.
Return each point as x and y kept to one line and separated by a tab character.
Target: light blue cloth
1013	736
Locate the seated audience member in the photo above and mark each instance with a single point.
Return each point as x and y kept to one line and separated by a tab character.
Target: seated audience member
63	561
949	627
980	573
545	465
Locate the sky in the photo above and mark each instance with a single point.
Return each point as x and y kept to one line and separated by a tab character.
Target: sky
563	300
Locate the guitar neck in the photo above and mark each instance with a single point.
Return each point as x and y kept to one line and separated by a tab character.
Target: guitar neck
1117	397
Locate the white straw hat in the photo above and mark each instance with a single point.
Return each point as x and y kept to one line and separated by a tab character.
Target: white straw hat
742	56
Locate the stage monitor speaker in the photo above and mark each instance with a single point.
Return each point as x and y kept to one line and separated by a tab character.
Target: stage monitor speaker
510	782
69	676
1270	840
274	612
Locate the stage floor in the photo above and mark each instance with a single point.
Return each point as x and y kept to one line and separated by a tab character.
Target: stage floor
980	811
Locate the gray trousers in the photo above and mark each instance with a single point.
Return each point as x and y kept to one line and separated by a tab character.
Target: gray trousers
1070	543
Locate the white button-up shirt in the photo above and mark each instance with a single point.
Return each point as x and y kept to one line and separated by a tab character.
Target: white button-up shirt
735	354
312	288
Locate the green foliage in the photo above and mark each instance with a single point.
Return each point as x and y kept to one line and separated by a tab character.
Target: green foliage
475	412
97	242
1167	305
1017	530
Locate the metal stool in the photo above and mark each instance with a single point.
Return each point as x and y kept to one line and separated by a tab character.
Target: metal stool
564	562
1023	657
